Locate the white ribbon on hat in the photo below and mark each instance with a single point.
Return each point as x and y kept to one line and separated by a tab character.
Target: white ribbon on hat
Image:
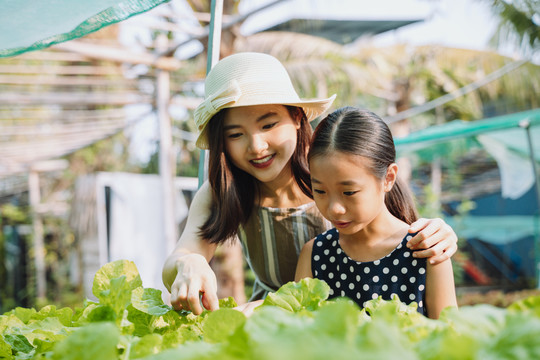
230	93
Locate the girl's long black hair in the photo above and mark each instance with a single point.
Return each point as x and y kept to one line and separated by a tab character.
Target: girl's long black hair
361	132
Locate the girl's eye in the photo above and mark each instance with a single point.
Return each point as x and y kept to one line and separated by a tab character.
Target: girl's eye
318	191
234	135
349	193
269	126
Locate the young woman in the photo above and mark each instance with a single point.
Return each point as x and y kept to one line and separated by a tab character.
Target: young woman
257	131
355	186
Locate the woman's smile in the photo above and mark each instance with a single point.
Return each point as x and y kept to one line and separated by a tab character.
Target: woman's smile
263	162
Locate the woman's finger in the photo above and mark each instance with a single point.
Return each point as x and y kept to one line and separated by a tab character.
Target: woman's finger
178	296
447	254
434	250
193	298
210	300
418	225
424	229
426	238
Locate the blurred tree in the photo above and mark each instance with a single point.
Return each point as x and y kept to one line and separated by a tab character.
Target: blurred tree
519	24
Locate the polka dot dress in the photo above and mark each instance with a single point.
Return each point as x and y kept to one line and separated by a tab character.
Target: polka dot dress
397	273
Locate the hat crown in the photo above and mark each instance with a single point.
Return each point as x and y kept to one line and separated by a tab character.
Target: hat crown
256	74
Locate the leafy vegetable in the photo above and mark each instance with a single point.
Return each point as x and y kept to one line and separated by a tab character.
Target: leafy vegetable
298	321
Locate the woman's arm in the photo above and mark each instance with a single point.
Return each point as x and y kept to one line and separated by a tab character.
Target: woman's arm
440	289
303	267
186	272
435	240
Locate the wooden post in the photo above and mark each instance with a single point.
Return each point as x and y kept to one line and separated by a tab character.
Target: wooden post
39	248
167	168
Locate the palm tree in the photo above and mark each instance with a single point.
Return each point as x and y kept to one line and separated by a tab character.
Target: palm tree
519	24
392	79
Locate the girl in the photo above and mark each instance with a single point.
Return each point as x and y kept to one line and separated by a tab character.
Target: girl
257	131
355	186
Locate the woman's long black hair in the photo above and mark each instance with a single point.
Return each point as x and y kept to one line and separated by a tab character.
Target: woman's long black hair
233	190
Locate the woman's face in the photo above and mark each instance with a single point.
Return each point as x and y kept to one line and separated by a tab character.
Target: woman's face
346	192
261	140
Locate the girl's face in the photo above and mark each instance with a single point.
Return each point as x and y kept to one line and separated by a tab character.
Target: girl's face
346	192
260	140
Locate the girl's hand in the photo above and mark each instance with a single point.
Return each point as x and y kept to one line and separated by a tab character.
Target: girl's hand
435	240
194	277
248	308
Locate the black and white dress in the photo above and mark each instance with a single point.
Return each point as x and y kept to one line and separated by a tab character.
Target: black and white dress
397	273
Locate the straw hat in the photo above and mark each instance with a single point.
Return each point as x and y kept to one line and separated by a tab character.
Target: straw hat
250	79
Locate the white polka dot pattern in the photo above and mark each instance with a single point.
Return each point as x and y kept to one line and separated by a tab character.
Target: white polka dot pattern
397	274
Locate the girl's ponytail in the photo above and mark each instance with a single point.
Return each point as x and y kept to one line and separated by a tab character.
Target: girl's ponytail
399	201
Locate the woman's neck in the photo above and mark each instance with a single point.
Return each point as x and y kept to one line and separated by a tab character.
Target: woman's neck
282	193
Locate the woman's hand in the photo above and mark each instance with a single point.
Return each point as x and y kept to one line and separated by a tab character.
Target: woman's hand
186	272
248	307
435	240
194	277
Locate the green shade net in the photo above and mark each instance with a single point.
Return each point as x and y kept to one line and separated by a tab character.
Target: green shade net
27	25
437	140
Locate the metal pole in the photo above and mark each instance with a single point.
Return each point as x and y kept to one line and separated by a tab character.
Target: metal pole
527	126
167	168
214	41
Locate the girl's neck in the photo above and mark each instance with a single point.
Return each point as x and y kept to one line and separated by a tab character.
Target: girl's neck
376	240
284	192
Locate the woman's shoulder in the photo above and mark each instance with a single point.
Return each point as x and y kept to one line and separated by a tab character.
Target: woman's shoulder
204	193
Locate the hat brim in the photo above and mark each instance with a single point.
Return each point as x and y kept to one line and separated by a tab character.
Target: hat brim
312	108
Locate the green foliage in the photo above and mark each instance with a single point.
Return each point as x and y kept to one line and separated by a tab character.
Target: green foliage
295	322
13	214
517	22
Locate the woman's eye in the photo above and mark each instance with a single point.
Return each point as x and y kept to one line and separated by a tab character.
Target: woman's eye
269	126
234	136
318	191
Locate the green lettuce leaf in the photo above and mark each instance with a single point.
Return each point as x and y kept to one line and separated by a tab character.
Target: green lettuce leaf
530	305
5	349
149	301
114	283
307	294
518	339
19	344
90	342
220	324
227	303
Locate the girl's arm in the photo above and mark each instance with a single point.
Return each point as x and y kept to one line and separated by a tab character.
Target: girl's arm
436	240
186	272
440	289
303	267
